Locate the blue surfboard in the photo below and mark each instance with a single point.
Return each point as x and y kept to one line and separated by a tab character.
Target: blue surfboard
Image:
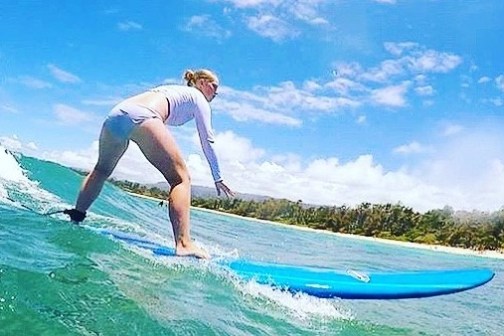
328	283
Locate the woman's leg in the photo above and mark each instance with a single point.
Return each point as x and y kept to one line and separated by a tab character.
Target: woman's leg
111	149
159	147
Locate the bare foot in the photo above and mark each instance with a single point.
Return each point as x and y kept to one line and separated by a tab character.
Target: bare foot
191	250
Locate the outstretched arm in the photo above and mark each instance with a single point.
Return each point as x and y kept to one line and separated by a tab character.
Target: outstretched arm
205	132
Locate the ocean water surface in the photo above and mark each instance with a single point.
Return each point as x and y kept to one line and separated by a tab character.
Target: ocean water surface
57	278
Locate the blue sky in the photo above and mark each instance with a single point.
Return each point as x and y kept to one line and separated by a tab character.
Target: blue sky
330	102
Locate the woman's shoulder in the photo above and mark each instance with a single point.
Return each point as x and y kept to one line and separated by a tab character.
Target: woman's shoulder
182	94
176	88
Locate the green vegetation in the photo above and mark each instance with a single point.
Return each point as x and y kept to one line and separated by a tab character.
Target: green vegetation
476	230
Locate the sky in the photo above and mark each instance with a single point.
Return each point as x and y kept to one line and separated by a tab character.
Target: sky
330	102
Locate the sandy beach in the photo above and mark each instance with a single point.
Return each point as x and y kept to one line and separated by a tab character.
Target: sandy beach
439	248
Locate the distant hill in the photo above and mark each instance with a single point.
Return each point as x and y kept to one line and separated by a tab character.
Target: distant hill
206	192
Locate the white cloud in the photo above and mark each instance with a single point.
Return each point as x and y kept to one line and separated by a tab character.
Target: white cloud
129	25
13	143
484	79
287	96
307	11
271	168
390	2
254	3
345	86
279	20
204	25
393	96
282	104
32	146
247	112
361	119
466	81
459	173
434	61
271	27
232	147
469	166
497	101
412	147
414	58
499	81
62	75
397	49
428	102
412	65
354	182
33	82
70	116
311	86
287	104
420	80
452	129
349	70
385	71
426	90
245	106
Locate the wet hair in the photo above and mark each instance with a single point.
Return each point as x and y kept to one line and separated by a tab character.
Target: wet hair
191	76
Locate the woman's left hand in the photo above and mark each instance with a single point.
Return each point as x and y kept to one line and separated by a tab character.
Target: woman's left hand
220	186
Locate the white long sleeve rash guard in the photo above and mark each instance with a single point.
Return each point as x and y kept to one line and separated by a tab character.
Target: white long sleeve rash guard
186	103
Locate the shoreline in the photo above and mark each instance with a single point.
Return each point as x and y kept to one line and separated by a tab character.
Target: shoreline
436	248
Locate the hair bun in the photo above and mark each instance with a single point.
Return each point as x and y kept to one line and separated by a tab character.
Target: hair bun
189	75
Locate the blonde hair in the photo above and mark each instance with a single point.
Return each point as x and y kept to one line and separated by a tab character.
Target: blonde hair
192	76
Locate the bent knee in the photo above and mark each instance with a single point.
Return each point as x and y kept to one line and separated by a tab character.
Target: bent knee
103	170
180	176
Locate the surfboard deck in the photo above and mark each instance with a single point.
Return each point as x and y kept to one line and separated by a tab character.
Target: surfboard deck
329	283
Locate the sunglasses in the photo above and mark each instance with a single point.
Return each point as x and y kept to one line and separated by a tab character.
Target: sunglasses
215	87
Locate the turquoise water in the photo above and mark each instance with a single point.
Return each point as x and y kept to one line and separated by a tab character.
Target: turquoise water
60	279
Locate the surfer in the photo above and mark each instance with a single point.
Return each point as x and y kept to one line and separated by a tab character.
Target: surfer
142	119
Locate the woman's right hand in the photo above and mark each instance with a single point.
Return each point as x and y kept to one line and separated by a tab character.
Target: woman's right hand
220	186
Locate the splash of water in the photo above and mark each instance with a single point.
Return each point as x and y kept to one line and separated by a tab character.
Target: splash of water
301	306
15	185
9	167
